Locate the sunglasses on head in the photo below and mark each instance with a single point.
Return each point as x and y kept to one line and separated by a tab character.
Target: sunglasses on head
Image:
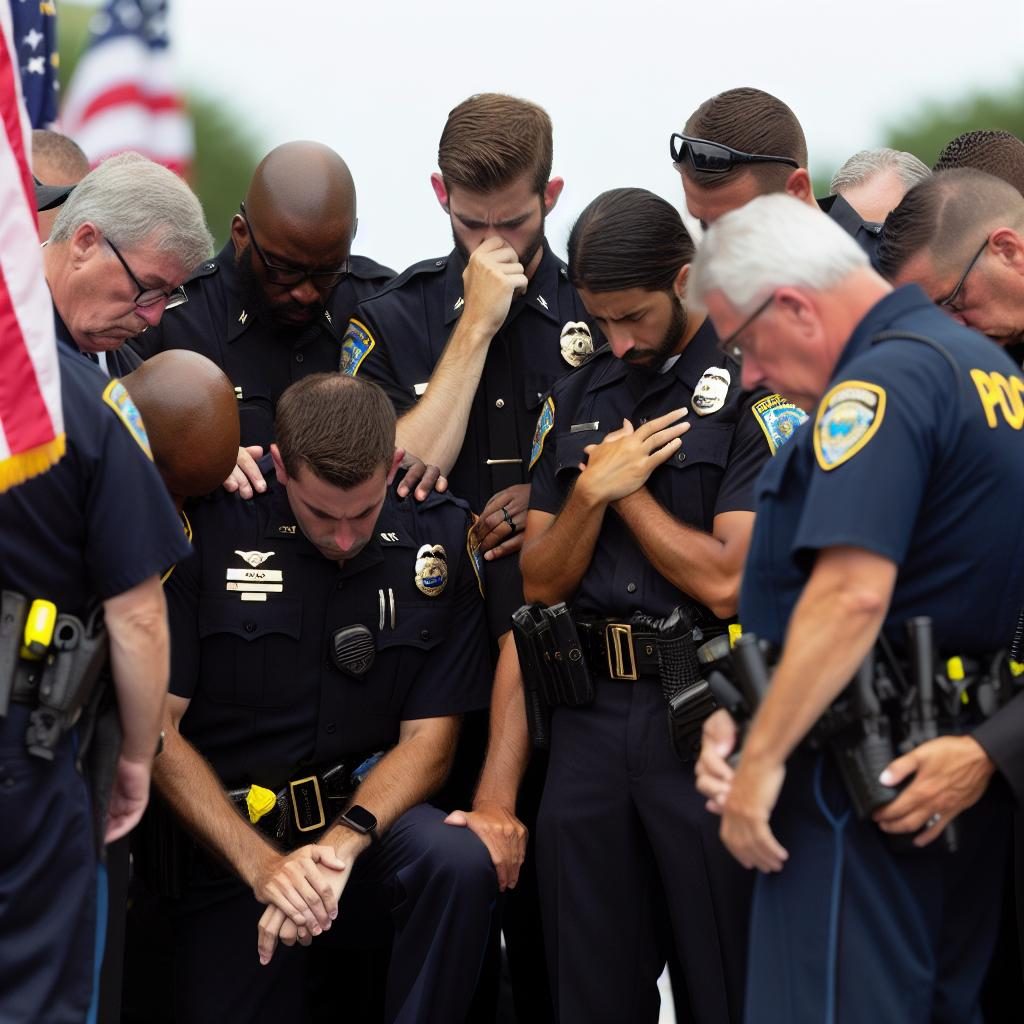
714	158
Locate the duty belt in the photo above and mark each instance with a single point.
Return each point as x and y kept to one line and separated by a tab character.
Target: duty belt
618	651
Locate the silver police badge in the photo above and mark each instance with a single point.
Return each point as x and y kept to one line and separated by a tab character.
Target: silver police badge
576	343
431	569
711	391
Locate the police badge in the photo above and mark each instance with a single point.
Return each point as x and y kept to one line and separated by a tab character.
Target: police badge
711	391
576	343
431	569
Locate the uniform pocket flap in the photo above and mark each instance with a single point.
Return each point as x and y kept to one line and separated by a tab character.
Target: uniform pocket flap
250	620
416	626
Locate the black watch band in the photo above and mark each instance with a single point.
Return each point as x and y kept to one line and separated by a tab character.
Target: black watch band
360	820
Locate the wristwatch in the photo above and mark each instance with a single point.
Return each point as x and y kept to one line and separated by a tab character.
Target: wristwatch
360	820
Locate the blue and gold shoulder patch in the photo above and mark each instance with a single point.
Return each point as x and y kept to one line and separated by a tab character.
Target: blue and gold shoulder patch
115	394
545	422
778	419
848	417
357	344
476	557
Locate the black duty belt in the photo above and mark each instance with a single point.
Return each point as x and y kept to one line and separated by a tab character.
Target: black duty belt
616	650
26	682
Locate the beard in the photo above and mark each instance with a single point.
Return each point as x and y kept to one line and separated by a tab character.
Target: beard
275	316
525	257
653	359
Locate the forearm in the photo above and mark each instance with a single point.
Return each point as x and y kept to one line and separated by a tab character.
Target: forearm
699	564
556	556
508	748
188	783
435	428
140	665
407	775
833	627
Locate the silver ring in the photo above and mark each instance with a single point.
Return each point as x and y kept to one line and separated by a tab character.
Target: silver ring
933	820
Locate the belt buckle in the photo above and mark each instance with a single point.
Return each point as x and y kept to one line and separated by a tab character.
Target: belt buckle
306	791
618	641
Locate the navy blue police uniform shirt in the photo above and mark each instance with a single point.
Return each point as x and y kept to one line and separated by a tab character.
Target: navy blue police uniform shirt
253	612
100	521
260	363
915	454
712	473
397	337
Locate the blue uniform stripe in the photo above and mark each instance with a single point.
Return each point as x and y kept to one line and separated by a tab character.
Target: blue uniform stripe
101	938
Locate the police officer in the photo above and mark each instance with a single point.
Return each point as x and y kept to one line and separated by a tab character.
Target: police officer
64	539
634	509
124	241
467	347
326	637
873	516
272	305
744	143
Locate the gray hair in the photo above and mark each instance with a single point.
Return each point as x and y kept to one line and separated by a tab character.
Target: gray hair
134	201
773	241
864	165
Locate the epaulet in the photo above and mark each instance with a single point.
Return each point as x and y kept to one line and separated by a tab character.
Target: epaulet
369	270
437	500
203	270
434	266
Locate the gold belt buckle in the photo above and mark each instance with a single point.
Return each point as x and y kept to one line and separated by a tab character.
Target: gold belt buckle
296	792
618	642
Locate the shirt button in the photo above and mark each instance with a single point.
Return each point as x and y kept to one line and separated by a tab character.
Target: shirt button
500	403
250	627
424	634
330	728
298	357
681	457
630	588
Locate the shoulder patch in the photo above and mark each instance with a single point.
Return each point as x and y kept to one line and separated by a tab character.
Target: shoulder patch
476	558
848	417
778	419
115	394
545	422
355	347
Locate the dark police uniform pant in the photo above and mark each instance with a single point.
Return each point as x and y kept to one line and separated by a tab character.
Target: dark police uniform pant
623	840
850	932
435	881
48	903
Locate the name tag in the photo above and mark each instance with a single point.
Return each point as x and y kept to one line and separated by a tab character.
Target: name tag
256	575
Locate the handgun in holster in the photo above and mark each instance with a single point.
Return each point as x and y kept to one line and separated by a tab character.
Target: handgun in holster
70	673
688	695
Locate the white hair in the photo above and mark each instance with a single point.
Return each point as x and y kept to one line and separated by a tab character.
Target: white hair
134	201
773	241
863	166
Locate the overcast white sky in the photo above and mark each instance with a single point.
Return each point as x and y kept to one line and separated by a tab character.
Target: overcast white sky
375	80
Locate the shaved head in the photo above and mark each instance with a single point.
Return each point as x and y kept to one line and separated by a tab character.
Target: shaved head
191	416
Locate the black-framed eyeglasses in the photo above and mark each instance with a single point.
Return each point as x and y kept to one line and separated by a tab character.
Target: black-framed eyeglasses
150	296
291	276
714	158
730	346
947	302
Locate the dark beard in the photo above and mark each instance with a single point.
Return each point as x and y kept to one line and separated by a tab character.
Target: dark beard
653	359
254	301
525	259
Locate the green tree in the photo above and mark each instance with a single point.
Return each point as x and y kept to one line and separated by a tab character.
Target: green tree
226	153
926	133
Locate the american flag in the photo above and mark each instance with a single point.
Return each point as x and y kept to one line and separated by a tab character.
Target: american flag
122	95
31	423
35	39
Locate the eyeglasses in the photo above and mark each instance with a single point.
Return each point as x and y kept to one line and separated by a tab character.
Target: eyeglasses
729	346
323	280
150	296
947	302
714	158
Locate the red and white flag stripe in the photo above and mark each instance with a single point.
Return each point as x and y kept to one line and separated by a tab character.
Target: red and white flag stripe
31	420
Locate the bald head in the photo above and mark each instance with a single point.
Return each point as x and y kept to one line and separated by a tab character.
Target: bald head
304	185
191	417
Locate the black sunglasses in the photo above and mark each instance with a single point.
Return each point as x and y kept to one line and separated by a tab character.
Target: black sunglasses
947	302
714	158
291	276
150	296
